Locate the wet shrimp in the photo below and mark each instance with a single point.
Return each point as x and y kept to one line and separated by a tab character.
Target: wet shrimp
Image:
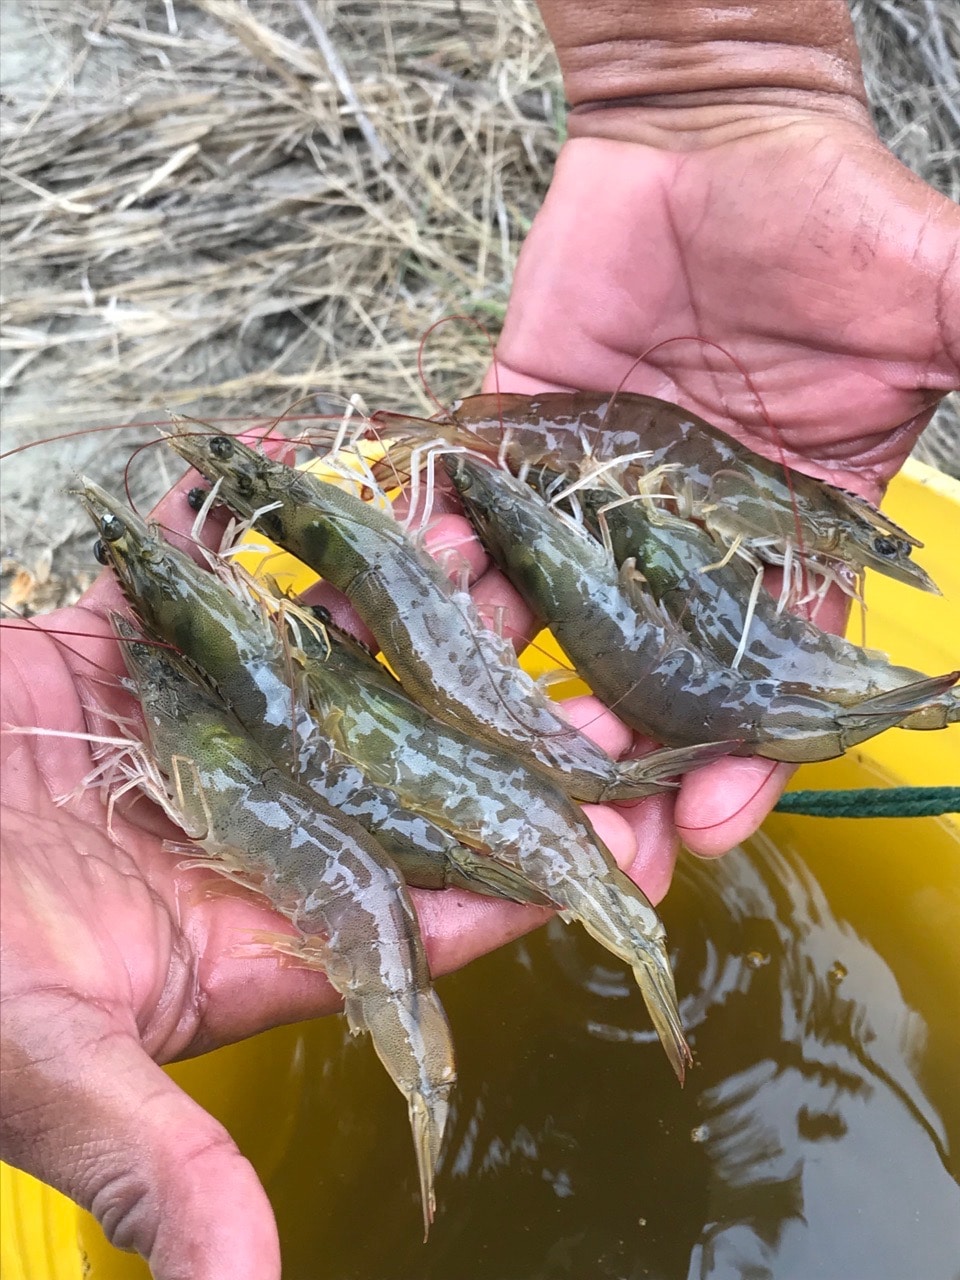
740	496
323	872
492	799
718	605
243	654
640	662
429	632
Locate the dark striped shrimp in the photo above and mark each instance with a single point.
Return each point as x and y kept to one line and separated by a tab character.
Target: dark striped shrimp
322	871
490	798
429	631
719	606
740	496
636	659
243	654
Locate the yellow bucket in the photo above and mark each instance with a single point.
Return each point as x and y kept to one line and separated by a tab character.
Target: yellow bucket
44	1236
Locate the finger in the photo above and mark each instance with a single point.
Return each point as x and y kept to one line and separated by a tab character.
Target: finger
653	824
454	545
725	802
86	1110
503	609
441	498
653	835
341	611
458	927
598	722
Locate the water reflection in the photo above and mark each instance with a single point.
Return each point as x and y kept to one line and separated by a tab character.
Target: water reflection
816	1139
809	1133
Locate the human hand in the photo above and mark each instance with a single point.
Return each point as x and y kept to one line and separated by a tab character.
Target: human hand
745	199
117	958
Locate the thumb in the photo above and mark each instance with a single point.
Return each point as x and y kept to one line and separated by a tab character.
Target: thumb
99	1120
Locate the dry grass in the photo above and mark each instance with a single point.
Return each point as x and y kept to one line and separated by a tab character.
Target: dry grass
911	63
262	205
235	205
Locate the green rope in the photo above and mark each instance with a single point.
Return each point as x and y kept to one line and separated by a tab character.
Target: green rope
873	802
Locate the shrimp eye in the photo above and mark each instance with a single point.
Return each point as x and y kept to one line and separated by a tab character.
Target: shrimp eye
221	446
197	497
885	546
322	614
112	529
244	484
100	551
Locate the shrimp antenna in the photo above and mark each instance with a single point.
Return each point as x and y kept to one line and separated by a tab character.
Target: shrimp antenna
462	319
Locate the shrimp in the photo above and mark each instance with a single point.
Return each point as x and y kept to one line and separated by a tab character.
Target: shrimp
490	798
244	656
322	871
635	658
710	601
429	632
739	495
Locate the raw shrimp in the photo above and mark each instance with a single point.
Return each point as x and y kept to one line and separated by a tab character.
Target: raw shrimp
635	658
739	495
429	632
243	654
491	798
717	604
322	871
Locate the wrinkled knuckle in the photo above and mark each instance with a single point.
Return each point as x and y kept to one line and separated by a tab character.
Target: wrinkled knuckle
125	1205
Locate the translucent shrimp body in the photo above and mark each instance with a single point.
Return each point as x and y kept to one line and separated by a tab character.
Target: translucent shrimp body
736	493
638	661
243	654
323	872
428	631
492	799
710	600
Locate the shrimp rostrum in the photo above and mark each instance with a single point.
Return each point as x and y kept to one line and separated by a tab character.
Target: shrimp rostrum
322	871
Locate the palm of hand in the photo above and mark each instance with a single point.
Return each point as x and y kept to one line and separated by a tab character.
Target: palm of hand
119	924
805	249
98	969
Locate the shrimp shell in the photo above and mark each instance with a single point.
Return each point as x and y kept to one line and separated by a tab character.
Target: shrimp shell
322	871
736	493
640	662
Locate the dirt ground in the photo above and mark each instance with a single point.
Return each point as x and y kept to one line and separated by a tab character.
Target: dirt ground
222	206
